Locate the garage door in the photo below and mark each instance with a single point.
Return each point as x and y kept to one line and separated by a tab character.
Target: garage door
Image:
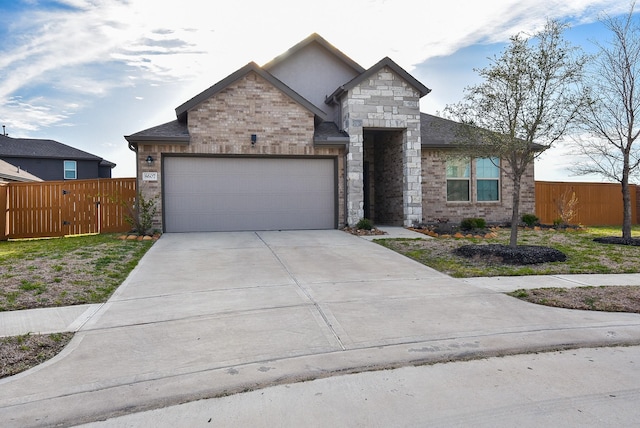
231	194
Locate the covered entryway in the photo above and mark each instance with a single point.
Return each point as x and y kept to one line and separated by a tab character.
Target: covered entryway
383	176
203	194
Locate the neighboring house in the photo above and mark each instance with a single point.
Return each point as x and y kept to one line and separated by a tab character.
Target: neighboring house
12	173
312	140
51	160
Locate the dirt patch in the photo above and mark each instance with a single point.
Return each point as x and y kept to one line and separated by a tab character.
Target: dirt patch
19	353
607	298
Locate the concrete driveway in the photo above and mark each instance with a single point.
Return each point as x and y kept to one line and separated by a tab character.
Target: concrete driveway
210	314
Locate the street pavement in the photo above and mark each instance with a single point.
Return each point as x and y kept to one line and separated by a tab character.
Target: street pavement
588	387
214	314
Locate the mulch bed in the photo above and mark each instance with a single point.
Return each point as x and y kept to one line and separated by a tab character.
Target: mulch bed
617	240
364	232
520	255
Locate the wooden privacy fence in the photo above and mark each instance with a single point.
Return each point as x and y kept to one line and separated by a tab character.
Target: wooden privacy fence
597	203
60	208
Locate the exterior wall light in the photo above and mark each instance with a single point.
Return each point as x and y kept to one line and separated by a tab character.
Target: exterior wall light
149	160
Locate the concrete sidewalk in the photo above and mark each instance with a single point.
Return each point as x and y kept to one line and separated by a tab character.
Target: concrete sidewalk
205	315
46	320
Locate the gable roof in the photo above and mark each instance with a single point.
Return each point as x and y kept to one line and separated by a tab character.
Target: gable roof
315	38
181	111
14	173
173	132
384	62
43	149
439	133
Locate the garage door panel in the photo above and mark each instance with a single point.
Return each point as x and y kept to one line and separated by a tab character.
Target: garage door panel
226	194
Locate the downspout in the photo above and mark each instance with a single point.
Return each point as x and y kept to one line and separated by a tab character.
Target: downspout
134	148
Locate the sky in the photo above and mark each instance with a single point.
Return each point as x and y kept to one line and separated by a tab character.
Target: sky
88	72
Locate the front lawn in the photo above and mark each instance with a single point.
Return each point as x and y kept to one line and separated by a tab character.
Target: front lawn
583	254
41	273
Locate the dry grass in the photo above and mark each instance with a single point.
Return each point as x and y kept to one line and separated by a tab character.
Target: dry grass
64	271
608	299
58	272
19	353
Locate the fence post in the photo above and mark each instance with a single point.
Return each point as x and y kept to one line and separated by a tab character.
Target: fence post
4	211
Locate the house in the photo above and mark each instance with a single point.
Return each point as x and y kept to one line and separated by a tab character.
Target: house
51	160
11	173
312	140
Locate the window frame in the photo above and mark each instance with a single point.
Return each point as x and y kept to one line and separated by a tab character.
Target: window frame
495	162
467	179
74	170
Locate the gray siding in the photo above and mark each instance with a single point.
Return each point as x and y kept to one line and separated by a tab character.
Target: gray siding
314	73
53	169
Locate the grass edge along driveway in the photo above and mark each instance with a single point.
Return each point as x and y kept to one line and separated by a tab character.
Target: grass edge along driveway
40	273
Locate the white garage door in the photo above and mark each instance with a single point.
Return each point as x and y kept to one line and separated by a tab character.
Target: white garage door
231	194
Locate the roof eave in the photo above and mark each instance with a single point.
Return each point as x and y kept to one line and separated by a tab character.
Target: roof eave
19	178
331	142
158	140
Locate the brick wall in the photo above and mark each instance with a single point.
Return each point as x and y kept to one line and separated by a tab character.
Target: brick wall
434	192
223	124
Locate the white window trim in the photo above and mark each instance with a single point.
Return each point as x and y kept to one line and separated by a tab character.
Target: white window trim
75	170
467	179
474	172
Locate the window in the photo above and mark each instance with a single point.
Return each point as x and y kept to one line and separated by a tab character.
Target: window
458	178
487	179
70	170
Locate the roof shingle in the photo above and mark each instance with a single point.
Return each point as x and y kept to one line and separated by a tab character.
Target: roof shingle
37	148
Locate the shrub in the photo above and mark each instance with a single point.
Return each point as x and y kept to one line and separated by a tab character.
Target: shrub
140	216
529	219
567	207
473	223
364	224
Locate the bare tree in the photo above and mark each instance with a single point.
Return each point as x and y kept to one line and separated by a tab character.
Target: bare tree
612	121
528	100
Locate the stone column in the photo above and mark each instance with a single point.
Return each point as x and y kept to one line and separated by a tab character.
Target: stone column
354	171
412	169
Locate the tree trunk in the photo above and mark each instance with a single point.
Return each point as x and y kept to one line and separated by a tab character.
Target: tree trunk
515	213
626	199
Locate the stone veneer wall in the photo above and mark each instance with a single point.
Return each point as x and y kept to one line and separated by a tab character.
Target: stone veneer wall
223	124
383	101
434	192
